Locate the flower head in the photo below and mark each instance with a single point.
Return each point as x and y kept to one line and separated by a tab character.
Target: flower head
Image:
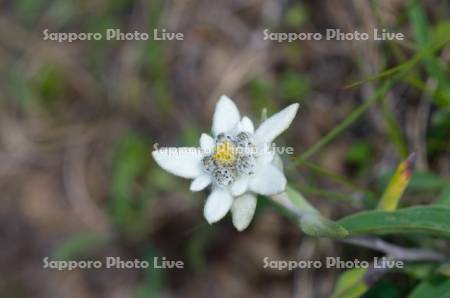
237	161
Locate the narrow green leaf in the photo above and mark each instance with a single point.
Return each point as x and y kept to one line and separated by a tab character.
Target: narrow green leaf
394	131
382	74
419	22
422	32
397	185
440	39
431	220
377	96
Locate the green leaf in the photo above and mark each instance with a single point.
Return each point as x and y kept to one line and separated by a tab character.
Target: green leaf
437	287
431	220
350	284
420	23
397	185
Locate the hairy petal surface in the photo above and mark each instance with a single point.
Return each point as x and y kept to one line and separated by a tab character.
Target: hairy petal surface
217	205
183	161
247	125
268	181
207	143
239	186
243	210
200	183
275	125
226	116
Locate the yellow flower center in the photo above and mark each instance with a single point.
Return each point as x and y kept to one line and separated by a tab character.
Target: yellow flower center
225	153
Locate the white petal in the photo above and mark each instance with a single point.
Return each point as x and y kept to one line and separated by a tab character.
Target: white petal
217	205
247	125
266	156
200	183
207	143
243	210
182	161
268	180
239	186
226	116
275	125
278	162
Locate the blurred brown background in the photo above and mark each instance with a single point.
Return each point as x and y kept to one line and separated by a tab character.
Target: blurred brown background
78	122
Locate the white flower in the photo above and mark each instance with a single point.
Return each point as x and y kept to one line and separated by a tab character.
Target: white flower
236	161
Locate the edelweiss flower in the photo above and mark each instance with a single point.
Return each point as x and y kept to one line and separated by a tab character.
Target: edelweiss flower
237	161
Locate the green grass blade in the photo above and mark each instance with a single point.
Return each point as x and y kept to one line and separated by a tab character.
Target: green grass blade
422	33
378	94
381	75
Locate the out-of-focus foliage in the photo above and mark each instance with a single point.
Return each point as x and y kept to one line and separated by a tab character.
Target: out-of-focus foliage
79	121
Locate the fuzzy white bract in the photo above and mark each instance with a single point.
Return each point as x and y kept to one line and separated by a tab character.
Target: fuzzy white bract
237	161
